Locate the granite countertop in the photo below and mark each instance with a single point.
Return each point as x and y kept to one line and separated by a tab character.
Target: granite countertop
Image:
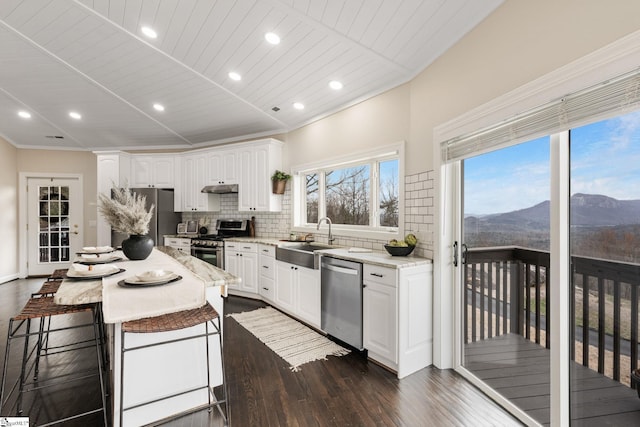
382	259
212	276
90	291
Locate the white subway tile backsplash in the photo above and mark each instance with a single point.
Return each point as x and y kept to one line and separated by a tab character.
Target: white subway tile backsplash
418	210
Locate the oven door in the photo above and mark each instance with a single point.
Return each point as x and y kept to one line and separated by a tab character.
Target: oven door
213	256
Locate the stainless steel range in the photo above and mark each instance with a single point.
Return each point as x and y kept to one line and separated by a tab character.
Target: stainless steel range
210	248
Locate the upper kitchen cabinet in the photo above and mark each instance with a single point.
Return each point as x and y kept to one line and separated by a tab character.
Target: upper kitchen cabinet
223	167
194	178
113	168
258	161
152	171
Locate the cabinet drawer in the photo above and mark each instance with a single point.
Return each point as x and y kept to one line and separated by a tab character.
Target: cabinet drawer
241	247
268	250
267	288
267	267
382	275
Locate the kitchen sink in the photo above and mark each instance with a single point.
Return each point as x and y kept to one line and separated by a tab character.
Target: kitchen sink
302	254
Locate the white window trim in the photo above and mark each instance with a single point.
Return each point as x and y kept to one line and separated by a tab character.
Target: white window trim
359	157
617	58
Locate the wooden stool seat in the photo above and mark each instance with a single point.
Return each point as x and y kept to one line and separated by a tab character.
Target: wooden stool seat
43	307
49	287
172	321
60	273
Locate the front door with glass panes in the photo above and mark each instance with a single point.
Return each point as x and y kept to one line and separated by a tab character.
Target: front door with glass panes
54	229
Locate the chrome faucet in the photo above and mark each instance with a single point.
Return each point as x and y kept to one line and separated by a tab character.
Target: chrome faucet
330	238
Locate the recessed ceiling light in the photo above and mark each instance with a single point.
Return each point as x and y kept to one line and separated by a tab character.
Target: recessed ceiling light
298	105
149	32
235	76
75	115
24	114
272	38
158	107
335	85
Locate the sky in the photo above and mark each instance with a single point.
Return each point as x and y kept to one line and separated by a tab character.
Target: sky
605	159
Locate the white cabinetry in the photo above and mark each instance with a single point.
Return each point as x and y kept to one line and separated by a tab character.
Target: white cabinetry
267	272
180	243
397	316
222	167
153	170
194	178
258	161
379	313
298	292
241	260
113	168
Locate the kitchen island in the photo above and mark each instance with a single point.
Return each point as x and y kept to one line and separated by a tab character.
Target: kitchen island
155	372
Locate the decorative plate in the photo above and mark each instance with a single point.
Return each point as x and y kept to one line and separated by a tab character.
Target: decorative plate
71	274
134	282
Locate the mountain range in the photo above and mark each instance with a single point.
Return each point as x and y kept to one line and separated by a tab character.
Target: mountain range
587	210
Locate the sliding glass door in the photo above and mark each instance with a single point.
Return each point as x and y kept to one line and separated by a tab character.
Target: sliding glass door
505	241
514	304
605	257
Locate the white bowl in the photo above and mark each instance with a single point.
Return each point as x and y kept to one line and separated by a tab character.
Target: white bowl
153	275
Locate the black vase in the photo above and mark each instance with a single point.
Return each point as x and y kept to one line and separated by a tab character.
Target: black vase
137	247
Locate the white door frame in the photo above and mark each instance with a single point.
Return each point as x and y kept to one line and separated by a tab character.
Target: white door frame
23	219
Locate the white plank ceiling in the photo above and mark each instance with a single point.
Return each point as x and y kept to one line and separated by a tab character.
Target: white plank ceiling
90	56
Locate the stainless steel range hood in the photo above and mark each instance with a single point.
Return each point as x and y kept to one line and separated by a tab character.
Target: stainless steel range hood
220	189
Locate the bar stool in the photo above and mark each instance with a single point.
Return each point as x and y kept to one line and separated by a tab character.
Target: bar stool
58	274
171	322
41	308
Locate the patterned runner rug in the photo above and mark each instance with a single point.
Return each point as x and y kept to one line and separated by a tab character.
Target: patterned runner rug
294	342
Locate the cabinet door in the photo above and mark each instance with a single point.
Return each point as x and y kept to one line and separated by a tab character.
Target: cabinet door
261	180
379	320
308	295
285	289
249	272
162	172
230	167
188	176
222	167
246	191
141	171
233	266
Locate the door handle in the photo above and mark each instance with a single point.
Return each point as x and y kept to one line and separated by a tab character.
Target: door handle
455	253
465	249
342	270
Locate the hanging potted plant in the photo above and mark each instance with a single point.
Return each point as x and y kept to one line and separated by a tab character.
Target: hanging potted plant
126	212
279	181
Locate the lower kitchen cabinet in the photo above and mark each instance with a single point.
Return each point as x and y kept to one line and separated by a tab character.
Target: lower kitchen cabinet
180	243
379	315
397	317
241	260
308	298
267	272
298	292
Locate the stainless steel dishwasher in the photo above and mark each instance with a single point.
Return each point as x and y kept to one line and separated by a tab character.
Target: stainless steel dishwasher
342	300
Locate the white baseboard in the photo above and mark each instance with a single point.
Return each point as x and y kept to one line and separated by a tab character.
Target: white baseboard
9	277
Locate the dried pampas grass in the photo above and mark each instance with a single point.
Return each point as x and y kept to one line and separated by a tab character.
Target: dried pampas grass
125	212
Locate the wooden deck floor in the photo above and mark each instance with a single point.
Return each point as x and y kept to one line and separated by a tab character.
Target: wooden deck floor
519	370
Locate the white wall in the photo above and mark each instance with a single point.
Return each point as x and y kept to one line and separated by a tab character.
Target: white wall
8	212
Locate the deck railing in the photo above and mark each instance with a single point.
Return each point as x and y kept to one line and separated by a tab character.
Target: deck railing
507	292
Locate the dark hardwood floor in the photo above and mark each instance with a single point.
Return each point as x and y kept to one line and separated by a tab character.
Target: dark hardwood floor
341	391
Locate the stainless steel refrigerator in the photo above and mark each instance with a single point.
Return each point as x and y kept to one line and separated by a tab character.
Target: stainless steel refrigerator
164	220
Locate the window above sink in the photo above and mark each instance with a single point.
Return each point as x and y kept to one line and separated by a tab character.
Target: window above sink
363	193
